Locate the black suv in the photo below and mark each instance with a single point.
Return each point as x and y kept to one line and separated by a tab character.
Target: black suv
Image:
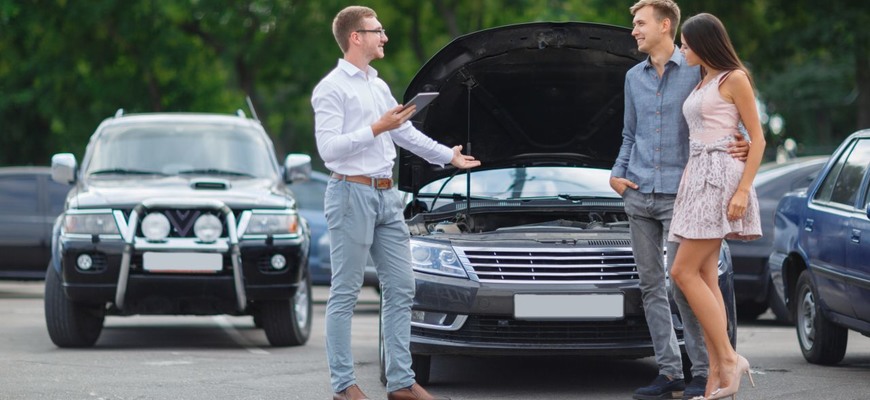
177	213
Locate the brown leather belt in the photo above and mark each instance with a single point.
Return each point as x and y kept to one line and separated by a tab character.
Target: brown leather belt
377	183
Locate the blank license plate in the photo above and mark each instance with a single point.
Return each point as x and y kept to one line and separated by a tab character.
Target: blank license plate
592	306
182	262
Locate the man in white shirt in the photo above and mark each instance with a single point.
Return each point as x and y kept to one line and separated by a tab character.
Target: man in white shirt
357	125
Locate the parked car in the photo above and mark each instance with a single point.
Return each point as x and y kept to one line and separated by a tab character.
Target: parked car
179	213
29	203
309	196
529	254
751	280
819	264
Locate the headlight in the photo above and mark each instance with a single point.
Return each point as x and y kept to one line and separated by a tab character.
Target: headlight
207	228
90	224
435	258
272	224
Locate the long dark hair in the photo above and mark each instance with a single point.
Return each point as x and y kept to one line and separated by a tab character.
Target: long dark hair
707	37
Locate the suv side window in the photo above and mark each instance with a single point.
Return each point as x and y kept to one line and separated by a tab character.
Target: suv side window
19	194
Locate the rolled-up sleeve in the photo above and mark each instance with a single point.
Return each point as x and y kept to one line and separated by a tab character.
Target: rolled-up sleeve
332	142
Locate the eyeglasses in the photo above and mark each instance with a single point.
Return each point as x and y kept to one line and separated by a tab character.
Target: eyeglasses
380	32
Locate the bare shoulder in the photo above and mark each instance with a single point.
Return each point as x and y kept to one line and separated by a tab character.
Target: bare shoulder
735	84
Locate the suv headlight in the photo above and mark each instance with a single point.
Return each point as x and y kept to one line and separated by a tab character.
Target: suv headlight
272	224
90	223
435	258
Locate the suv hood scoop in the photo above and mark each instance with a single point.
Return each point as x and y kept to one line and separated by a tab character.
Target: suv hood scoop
209	184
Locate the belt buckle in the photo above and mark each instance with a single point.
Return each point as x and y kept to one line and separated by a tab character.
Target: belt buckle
383	183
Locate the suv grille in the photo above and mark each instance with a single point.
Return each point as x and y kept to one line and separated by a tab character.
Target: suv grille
181	221
548	265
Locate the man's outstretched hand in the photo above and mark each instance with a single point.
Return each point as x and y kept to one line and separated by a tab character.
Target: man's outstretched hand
462	161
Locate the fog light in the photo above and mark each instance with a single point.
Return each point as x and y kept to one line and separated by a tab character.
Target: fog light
278	261
155	227
207	228
428	318
84	262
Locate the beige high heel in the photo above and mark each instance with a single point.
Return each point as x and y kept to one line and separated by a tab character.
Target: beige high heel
731	390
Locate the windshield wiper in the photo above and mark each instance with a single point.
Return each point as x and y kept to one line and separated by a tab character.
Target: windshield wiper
124	171
584	197
215	171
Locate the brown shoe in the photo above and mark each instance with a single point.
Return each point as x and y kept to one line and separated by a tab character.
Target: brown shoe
413	392
352	392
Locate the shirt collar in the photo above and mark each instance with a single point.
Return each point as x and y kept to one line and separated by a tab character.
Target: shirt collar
352	70
676	58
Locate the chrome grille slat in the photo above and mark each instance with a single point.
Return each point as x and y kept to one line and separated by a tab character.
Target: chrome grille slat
547	264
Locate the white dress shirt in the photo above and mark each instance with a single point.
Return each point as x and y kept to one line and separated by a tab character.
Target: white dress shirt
346	103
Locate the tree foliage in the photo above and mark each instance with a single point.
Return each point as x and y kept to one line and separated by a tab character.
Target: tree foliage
66	65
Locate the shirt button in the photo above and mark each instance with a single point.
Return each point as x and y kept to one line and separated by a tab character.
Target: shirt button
658	93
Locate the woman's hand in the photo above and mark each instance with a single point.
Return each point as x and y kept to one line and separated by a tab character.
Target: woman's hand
737	205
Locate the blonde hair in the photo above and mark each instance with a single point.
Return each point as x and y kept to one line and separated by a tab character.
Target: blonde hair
661	9
347	21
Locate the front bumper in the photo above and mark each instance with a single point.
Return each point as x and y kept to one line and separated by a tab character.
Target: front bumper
118	277
479	319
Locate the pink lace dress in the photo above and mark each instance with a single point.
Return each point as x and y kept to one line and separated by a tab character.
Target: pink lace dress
711	175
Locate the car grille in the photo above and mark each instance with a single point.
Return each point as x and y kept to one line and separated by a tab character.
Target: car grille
496	330
547	265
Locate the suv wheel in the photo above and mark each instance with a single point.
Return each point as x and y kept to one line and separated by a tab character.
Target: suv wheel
821	341
288	322
70	324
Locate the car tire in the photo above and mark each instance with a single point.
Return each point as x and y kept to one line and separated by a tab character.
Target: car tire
821	341
70	324
421	365
288	322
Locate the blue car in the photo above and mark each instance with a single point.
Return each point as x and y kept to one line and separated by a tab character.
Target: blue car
309	196
819	264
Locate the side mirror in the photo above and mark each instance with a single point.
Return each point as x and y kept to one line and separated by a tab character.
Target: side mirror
63	168
297	167
868	210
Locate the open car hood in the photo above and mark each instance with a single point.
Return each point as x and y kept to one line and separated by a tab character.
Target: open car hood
531	94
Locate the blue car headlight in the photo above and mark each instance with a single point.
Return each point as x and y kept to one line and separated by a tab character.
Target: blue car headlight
434	258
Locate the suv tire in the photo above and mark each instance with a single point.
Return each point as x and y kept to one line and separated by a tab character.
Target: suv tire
70	324
288	322
821	341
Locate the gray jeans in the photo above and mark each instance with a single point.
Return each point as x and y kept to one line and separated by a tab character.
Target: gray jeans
364	220
649	219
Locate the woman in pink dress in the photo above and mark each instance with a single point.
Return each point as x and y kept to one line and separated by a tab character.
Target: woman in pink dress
716	199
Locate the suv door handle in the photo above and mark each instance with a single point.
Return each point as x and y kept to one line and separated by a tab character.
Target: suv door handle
808	225
856	236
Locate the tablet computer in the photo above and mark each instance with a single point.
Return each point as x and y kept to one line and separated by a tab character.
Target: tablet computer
421	100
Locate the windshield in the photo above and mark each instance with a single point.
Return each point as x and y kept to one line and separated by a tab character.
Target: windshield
524	183
182	148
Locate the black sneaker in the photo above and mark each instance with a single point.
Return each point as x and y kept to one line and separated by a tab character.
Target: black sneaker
661	387
695	388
